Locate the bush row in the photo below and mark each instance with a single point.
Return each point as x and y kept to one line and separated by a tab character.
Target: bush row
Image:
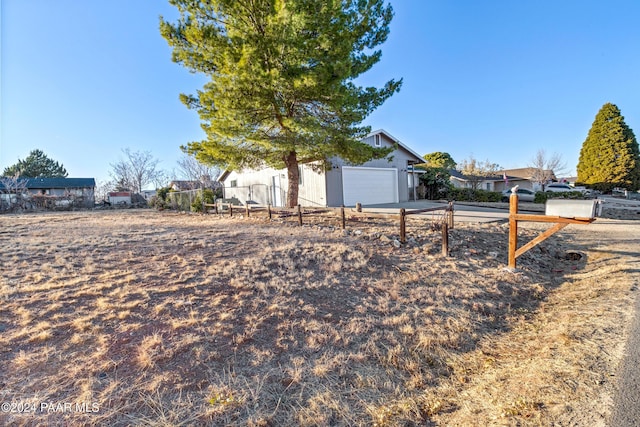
469	195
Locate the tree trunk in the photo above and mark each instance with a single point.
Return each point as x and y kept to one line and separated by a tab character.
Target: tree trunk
293	176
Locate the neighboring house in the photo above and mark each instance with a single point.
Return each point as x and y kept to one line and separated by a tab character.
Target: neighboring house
148	194
488	183
193	185
503	180
525	178
119	197
388	180
185	185
82	190
571	180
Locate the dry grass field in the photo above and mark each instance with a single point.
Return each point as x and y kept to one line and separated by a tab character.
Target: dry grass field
152	318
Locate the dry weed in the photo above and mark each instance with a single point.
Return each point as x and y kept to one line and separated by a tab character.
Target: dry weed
167	319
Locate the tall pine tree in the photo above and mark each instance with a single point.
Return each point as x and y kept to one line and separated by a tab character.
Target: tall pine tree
36	164
610	156
281	90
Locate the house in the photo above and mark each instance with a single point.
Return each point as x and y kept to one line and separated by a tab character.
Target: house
503	180
526	178
148	194
488	183
80	190
389	180
185	185
570	180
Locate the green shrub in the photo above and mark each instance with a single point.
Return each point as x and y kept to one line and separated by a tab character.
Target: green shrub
435	182
209	198
162	193
469	195
157	202
541	197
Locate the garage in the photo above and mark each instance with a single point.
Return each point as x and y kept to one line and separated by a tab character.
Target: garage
369	186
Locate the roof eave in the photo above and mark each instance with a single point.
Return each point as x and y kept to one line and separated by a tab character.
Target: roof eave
397	141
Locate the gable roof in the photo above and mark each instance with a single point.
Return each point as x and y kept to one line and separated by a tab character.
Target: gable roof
462	177
46	183
524	173
223	176
418	157
185	184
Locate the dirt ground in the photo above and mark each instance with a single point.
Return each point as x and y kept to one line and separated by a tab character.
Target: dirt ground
156	318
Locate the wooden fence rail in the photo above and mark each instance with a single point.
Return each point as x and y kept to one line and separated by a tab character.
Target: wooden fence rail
515	218
299	212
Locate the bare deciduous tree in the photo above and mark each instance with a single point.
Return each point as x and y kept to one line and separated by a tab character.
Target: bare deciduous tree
135	171
191	169
102	190
477	171
13	187
546	168
162	179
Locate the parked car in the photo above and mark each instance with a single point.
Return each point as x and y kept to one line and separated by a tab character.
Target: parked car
586	192
619	192
524	195
556	187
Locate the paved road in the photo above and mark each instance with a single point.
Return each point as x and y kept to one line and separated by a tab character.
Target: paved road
626	411
463	213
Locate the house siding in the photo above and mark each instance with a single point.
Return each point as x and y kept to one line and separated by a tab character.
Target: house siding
399	159
324	188
36	190
487	185
313	191
270	186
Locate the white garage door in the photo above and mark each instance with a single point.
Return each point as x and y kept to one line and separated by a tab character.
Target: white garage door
369	185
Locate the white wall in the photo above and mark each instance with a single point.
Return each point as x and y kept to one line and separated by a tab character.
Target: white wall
270	186
117	200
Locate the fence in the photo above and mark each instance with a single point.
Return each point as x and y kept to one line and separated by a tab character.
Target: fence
182	200
26	202
445	222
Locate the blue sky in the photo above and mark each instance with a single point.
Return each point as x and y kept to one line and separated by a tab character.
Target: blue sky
496	79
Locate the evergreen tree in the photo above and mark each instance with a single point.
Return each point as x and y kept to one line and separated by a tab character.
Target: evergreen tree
35	165
440	159
436	174
610	156
281	91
